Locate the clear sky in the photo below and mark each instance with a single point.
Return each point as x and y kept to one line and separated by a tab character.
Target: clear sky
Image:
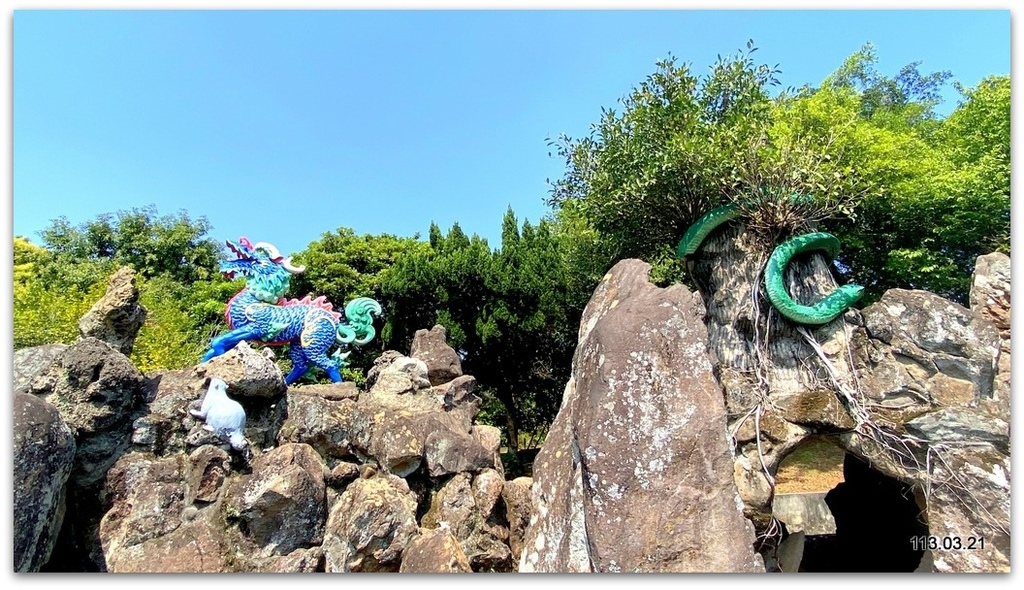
282	125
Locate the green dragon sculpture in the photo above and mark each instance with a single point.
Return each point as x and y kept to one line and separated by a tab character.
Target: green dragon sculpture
821	312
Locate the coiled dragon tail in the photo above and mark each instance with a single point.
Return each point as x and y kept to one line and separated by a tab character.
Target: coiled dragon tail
358	325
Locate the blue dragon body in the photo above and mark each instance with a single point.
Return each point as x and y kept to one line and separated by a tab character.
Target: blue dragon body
309	326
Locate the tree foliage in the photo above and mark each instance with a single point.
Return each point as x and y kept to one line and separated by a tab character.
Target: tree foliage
913	198
506	313
172	245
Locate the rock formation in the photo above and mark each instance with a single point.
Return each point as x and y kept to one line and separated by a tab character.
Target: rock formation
662	458
44	453
338	479
636	472
117	316
432	348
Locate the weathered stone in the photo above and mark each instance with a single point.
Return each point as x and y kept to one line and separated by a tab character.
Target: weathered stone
970	502
196	546
434	551
98	393
394	440
790	552
818	408
146	498
518	508
300	561
370	526
379	364
936	348
805	512
641	381
990	297
403	385
32	362
489	438
959	425
117	316
447	451
431	347
341	474
283	503
44	453
455	506
990	290
208	467
324	424
328	391
246	372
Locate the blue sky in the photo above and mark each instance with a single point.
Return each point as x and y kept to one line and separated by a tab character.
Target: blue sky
282	125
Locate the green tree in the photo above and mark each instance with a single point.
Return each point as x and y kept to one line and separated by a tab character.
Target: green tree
913	198
174	245
506	311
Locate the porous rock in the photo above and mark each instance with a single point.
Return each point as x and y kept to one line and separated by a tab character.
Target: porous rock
117	316
431	347
283	502
247	372
33	361
44	452
370	526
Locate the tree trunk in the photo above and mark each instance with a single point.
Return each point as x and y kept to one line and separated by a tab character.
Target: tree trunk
769	371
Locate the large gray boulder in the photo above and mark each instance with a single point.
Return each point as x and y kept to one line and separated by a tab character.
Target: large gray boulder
370	526
636	474
44	452
32	362
99	393
117	316
283	503
431	347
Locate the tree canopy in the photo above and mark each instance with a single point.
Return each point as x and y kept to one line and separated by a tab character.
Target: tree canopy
912	204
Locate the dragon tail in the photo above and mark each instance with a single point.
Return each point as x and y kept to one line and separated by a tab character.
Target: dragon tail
358	325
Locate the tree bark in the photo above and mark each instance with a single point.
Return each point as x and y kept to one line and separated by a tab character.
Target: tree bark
764	361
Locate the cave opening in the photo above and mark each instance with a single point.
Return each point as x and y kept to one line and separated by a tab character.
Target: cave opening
876	521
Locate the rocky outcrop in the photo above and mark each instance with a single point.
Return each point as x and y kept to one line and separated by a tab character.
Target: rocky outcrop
431	347
915	386
98	393
117	316
990	297
44	452
929	366
334	478
370	526
636	472
32	362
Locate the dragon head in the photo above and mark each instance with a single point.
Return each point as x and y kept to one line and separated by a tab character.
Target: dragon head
267	273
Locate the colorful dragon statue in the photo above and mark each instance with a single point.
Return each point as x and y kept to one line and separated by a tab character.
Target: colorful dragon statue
820	313
309	326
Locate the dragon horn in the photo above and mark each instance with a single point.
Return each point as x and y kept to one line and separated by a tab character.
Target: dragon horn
270	249
275	255
287	264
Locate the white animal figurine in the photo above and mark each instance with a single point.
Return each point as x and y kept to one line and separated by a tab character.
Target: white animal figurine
223	415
